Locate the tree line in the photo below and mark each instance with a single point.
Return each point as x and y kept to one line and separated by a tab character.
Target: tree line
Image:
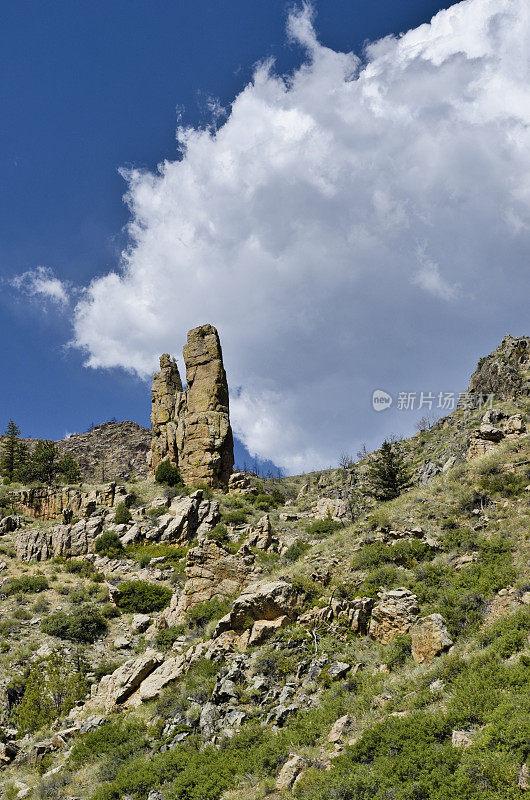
44	464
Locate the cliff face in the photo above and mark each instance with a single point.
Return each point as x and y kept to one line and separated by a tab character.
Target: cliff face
192	428
505	373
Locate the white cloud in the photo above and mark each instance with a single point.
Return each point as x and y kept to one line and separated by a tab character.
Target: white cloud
341	223
41	282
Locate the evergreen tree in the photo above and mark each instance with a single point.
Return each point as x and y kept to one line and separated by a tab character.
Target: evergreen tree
388	473
69	469
44	464
52	687
14	453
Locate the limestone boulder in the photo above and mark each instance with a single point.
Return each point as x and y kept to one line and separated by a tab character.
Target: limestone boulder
262	601
113	690
430	638
331	507
515	425
394	615
289	772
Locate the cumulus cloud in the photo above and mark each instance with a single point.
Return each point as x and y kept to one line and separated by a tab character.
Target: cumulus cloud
41	282
340	224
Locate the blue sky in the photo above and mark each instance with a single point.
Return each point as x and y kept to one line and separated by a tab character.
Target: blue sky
91	87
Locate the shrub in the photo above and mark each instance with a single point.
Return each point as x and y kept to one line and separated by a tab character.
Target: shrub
109	543
27	584
219	534
142	597
167	474
397	652
166	637
85	569
505	484
145	551
404	554
122	515
508	635
85	624
278	497
323	527
238	517
295	551
202	613
264	502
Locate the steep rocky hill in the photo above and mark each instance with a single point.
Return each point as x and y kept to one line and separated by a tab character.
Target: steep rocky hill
110	451
288	638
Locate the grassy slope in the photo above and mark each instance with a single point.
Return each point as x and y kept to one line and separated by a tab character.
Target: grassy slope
402	720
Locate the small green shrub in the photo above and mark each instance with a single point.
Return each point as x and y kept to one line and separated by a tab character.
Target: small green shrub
169	475
142	597
122	515
85	624
504	484
166	637
264	502
295	551
402	553
508	635
145	551
85	569
323	527
238	517
397	652
26	584
109	544
202	613
219	534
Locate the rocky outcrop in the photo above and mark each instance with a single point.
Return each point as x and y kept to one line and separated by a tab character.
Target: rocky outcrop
262	601
52	502
504	373
191	428
495	426
187	517
394	615
355	613
330	507
62	540
113	690
212	573
430	638
9	524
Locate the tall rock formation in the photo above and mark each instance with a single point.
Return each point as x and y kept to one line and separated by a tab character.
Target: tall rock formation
191	427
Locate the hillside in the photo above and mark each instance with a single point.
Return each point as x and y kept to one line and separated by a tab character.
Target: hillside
109	451
291	637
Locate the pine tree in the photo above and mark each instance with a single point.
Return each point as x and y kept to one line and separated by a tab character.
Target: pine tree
44	464
14	453
69	469
388	473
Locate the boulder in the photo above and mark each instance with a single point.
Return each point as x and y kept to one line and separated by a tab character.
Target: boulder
394	615
262	601
113	690
264	628
340	728
289	772
430	638
330	507
515	425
